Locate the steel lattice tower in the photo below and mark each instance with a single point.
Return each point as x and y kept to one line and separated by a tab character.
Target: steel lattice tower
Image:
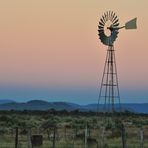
109	91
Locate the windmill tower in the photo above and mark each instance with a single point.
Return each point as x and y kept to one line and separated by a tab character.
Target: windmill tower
108	30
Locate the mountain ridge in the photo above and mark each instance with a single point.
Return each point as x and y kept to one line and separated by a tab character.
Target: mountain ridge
45	105
3	101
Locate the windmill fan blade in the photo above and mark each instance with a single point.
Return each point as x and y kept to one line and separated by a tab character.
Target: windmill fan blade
103	18
110	15
104	39
131	24
114	35
107	15
100	32
101	24
100	27
115	25
102	21
116	21
113	16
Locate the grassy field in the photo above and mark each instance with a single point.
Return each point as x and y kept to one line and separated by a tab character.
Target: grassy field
73	129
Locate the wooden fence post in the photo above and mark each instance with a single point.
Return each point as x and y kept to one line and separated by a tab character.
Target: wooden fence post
86	136
54	136
65	132
123	133
29	138
141	138
16	137
103	137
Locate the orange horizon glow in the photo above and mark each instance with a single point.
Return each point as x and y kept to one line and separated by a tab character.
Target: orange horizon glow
55	43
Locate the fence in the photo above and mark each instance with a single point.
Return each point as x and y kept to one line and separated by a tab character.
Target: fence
57	137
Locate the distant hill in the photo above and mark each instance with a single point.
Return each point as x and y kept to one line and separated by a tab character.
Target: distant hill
6	101
44	105
132	107
36	105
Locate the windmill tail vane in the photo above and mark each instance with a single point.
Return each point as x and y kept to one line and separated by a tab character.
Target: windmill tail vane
132	24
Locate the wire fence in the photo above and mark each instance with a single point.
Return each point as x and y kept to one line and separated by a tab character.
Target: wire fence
74	138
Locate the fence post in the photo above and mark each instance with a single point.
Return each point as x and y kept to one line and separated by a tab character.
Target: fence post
141	138
103	137
54	134
65	132
16	137
29	138
86	136
123	133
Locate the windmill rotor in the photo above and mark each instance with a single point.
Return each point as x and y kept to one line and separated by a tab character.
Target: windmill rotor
109	22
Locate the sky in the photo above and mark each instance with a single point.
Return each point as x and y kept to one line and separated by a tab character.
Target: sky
50	50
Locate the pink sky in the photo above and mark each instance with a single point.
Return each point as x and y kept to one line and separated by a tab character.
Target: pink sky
55	43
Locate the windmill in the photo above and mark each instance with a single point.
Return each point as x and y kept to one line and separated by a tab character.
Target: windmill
108	30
